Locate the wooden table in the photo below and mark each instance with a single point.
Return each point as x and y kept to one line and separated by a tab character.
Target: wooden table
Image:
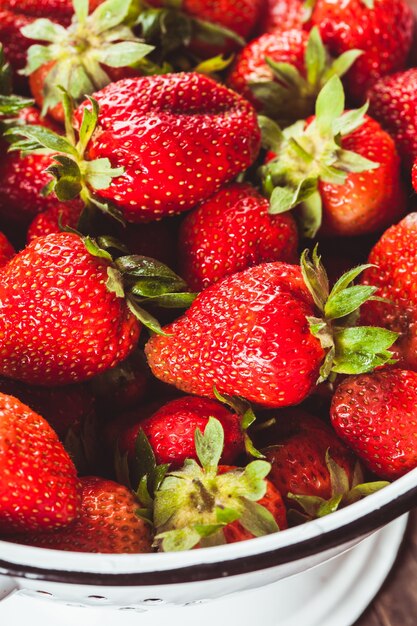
396	604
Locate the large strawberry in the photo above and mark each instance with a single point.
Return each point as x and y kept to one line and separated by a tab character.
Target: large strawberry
38	486
394	273
157	145
205	505
256	334
340	168
107	523
282	73
383	29
170	430
83	58
393	101
230	232
376	415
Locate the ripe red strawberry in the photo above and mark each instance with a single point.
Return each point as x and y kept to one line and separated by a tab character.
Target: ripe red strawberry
394	273
95	47
203	505
281	73
376	415
250	335
281	15
6	250
297	448
170	431
50	221
186	136
393	101
340	167
38	486
383	29
108	523
230	232
59	322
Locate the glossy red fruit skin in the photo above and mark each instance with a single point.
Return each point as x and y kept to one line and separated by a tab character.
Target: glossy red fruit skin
272	501
384	33
280	16
393	101
39	485
250	65
248	335
186	137
6	250
171	431
231	232
239	16
297	447
395	276
368	201
376	415
58	10
107	523
59	322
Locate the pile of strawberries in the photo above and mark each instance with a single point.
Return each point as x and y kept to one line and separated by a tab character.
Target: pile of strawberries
177	367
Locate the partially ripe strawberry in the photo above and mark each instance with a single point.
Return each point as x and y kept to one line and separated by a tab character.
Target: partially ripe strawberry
171	429
38	481
107	523
231	232
376	415
204	504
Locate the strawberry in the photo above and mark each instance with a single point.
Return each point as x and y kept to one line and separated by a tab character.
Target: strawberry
161	162
107	523
170	431
281	15
6	250
83	58
282	73
392	101
340	168
203	505
394	272
38	487
256	334
53	218
230	232
375	414
383	29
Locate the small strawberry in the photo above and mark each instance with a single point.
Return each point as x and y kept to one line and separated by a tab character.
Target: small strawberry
38	486
376	415
383	29
282	73
311	467
266	334
393	271
340	168
230	232
54	219
185	137
393	101
66	314
204	505
84	57
170	431
107	523
281	15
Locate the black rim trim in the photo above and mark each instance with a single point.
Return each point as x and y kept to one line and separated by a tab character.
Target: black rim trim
242	565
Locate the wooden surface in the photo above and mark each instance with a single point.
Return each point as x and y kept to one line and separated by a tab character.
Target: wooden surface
396	604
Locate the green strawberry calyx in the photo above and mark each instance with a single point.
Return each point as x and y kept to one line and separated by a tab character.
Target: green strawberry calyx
72	175
343	491
80	53
349	349
194	504
9	103
310	154
142	281
291	95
